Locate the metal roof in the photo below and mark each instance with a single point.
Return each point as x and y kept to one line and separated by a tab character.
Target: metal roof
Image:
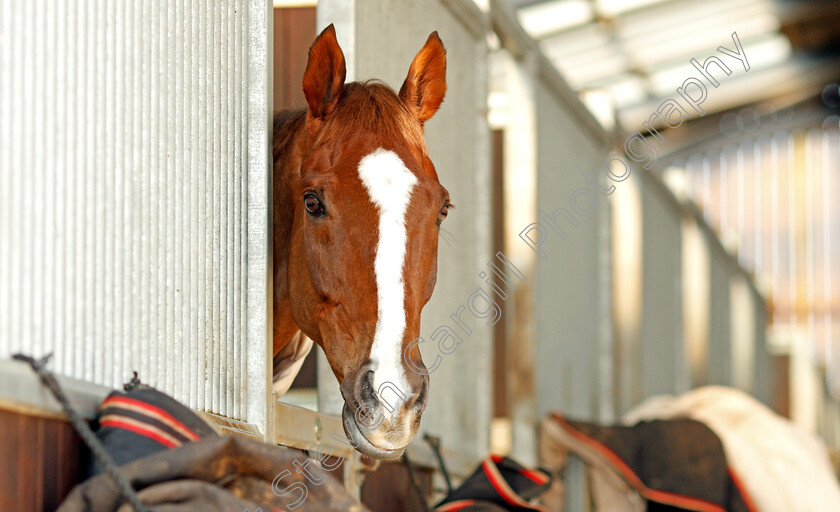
625	57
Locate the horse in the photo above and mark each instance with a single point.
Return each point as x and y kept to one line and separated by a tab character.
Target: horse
357	210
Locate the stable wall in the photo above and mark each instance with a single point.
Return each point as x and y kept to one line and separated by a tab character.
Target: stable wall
664	369
133	195
569	291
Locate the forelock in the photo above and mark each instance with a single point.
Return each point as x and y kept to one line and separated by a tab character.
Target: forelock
373	107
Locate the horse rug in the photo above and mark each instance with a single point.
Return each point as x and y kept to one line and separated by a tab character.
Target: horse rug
177	463
783	467
713	449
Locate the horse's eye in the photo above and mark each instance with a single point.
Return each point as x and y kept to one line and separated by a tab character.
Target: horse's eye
444	211
313	205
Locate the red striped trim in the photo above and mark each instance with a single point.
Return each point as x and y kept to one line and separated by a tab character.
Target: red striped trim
535	476
664	497
745	495
153	412
455	505
504	490
138	428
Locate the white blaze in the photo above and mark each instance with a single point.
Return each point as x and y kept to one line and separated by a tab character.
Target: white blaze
389	184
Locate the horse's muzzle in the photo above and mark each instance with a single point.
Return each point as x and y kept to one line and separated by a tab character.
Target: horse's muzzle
375	426
360	442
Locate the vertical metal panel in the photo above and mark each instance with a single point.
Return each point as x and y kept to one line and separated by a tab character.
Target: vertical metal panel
627	291
663	363
720	352
696	303
520	210
607	375
764	374
133	164
567	299
256	339
742	325
381	43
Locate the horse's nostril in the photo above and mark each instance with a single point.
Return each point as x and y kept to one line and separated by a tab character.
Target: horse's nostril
420	400
366	393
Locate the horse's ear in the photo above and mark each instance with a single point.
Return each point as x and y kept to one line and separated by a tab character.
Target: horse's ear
323	80
425	85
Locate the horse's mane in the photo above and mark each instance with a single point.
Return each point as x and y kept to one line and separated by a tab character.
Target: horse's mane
286	124
365	108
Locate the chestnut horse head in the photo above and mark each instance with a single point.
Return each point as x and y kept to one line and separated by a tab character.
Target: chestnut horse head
357	211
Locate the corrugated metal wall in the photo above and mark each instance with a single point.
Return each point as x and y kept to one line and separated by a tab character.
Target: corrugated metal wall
650	290
720	317
133	193
381	42
568	291
664	366
631	295
725	317
772	194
